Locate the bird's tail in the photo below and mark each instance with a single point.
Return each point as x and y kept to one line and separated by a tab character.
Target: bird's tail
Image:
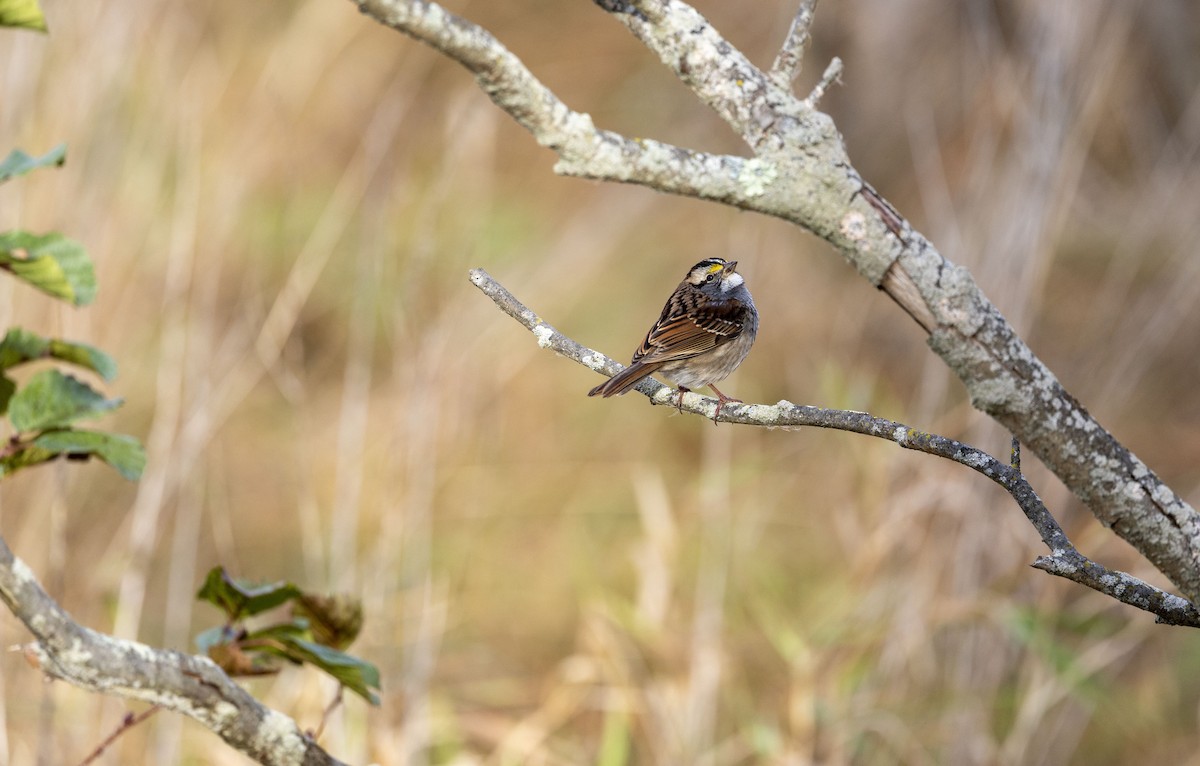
624	380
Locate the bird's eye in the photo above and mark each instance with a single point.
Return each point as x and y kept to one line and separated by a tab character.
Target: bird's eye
710	277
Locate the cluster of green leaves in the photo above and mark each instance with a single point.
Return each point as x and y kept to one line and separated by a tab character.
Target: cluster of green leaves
42	412
314	629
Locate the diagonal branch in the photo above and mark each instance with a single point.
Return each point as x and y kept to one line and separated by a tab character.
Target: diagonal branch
1064	559
787	62
583	150
801	173
185	683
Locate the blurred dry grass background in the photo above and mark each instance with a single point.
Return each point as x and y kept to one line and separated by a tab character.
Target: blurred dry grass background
283	200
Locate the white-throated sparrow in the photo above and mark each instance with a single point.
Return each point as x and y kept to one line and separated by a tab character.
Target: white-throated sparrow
705	331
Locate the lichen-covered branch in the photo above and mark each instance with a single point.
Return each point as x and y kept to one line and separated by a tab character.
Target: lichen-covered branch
791	54
800	172
1064	559
583	150
184	683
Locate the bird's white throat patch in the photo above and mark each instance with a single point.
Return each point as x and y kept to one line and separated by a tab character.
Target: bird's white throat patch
731	282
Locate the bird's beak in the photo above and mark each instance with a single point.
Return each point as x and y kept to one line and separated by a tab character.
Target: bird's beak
730	268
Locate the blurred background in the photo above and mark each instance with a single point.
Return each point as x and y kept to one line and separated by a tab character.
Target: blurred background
283	201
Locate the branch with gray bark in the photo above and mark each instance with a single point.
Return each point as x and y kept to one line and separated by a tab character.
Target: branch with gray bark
800	172
184	683
1064	559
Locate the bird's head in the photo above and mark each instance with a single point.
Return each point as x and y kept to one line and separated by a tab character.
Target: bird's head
715	275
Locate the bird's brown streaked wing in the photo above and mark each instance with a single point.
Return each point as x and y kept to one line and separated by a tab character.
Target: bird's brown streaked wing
703	326
726	328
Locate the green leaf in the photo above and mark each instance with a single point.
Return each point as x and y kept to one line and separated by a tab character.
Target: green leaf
51	263
124	453
53	400
359	676
24	458
22	13
20	346
243	653
18	163
239	599
86	356
7	388
294	628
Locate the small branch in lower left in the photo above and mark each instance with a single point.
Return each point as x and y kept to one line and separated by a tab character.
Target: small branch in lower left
189	684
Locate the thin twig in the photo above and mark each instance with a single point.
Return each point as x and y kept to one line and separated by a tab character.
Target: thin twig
832	73
128	722
332	706
788	63
1064	560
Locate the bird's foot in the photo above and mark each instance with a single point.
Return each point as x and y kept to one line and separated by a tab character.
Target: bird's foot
722	400
679	392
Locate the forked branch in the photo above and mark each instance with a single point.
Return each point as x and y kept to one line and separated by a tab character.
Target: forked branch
1064	559
800	172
